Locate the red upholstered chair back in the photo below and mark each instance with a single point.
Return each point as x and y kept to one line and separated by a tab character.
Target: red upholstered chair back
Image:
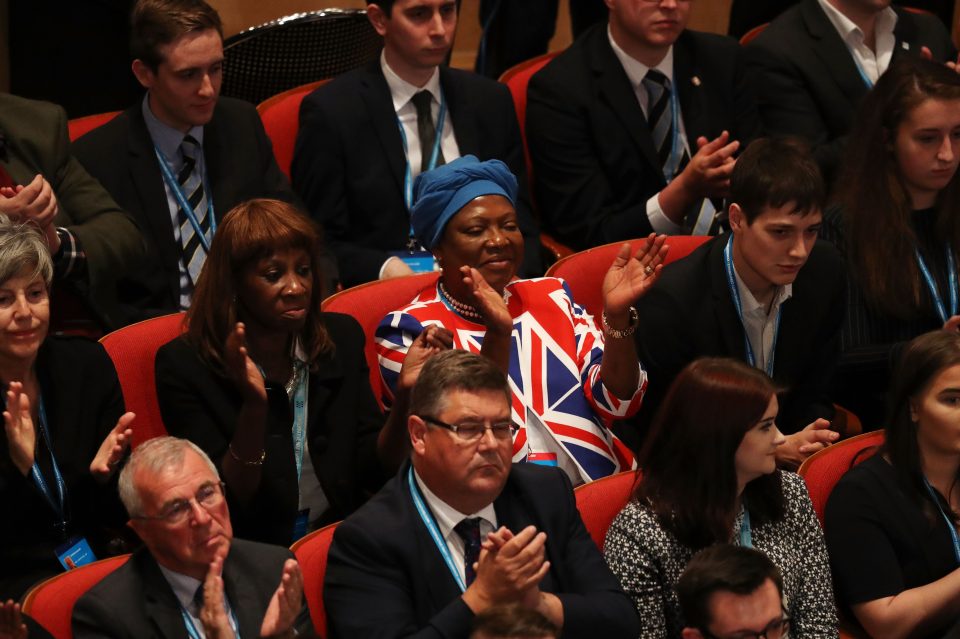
281	120
824	469
369	303
752	33
78	126
584	271
517	78
50	602
600	501
311	552
132	350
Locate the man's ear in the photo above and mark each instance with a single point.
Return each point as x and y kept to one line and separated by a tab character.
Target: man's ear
737	220
144	74
418	431
378	18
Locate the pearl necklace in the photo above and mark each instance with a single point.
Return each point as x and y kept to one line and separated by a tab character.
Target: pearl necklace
467	311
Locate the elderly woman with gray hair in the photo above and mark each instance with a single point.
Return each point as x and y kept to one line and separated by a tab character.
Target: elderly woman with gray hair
65	427
569	379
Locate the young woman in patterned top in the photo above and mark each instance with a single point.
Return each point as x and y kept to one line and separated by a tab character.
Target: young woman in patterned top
710	476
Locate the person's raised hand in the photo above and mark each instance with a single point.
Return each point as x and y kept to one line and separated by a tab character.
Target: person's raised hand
11	621
241	368
432	340
18	423
285	604
213	615
489	302
708	172
816	436
630	277
112	448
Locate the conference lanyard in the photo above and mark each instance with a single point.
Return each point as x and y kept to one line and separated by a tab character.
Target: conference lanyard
863	74
434	530
746	534
59	504
932	284
408	174
192	628
950	525
184	205
676	150
735	294
300	414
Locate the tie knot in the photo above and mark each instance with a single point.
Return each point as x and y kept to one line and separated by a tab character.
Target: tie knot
469	530
198	601
189	147
422	100
654	76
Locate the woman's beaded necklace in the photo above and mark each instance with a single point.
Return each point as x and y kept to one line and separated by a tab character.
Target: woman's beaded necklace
467	311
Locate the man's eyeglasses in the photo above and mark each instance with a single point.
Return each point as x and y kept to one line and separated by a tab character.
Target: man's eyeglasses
473	431
209	495
777	629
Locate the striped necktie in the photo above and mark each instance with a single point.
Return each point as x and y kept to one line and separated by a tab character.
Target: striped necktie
660	118
191	183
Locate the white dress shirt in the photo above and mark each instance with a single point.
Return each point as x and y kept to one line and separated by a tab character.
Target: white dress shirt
759	324
872	62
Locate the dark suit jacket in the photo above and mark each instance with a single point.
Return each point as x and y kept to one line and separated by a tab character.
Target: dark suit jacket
343	422
689	314
386	578
594	161
36	141
136	601
807	81
349	163
82	400
240	166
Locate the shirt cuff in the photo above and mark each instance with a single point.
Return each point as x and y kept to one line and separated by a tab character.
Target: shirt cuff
69	262
659	220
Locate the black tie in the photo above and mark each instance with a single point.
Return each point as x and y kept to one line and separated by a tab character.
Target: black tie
469	531
426	130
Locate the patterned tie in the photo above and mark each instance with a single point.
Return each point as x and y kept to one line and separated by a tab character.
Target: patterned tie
426	130
660	117
191	183
469	531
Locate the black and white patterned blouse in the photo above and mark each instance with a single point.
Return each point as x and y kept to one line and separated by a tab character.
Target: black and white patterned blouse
649	560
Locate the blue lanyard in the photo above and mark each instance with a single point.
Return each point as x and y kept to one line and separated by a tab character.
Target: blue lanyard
300	414
59	505
950	526
192	628
746	534
676	152
735	294
407	174
932	285
434	530
182	201
863	74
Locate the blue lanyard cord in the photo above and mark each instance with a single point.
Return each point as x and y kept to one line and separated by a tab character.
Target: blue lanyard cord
59	505
746	533
676	150
302	373
434	530
951	528
407	174
735	295
863	74
182	201
192	628
932	284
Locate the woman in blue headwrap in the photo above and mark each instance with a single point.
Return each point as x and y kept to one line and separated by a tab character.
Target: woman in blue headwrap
569	379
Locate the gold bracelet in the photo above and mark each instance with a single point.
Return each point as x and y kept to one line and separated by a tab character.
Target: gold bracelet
258	462
616	333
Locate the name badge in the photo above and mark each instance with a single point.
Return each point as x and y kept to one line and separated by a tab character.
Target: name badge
300	524
74	552
543	459
418	261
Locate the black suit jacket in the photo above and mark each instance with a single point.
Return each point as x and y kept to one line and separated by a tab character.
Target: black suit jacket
594	161
136	601
386	578
349	163
689	314
808	83
240	166
83	401
343	421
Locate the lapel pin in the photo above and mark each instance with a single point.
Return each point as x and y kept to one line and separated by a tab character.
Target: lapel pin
695	80
905	46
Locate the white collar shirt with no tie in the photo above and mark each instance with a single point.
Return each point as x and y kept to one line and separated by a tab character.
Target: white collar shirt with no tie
873	63
759	324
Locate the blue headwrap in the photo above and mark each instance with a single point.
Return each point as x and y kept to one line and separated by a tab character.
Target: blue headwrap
439	194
